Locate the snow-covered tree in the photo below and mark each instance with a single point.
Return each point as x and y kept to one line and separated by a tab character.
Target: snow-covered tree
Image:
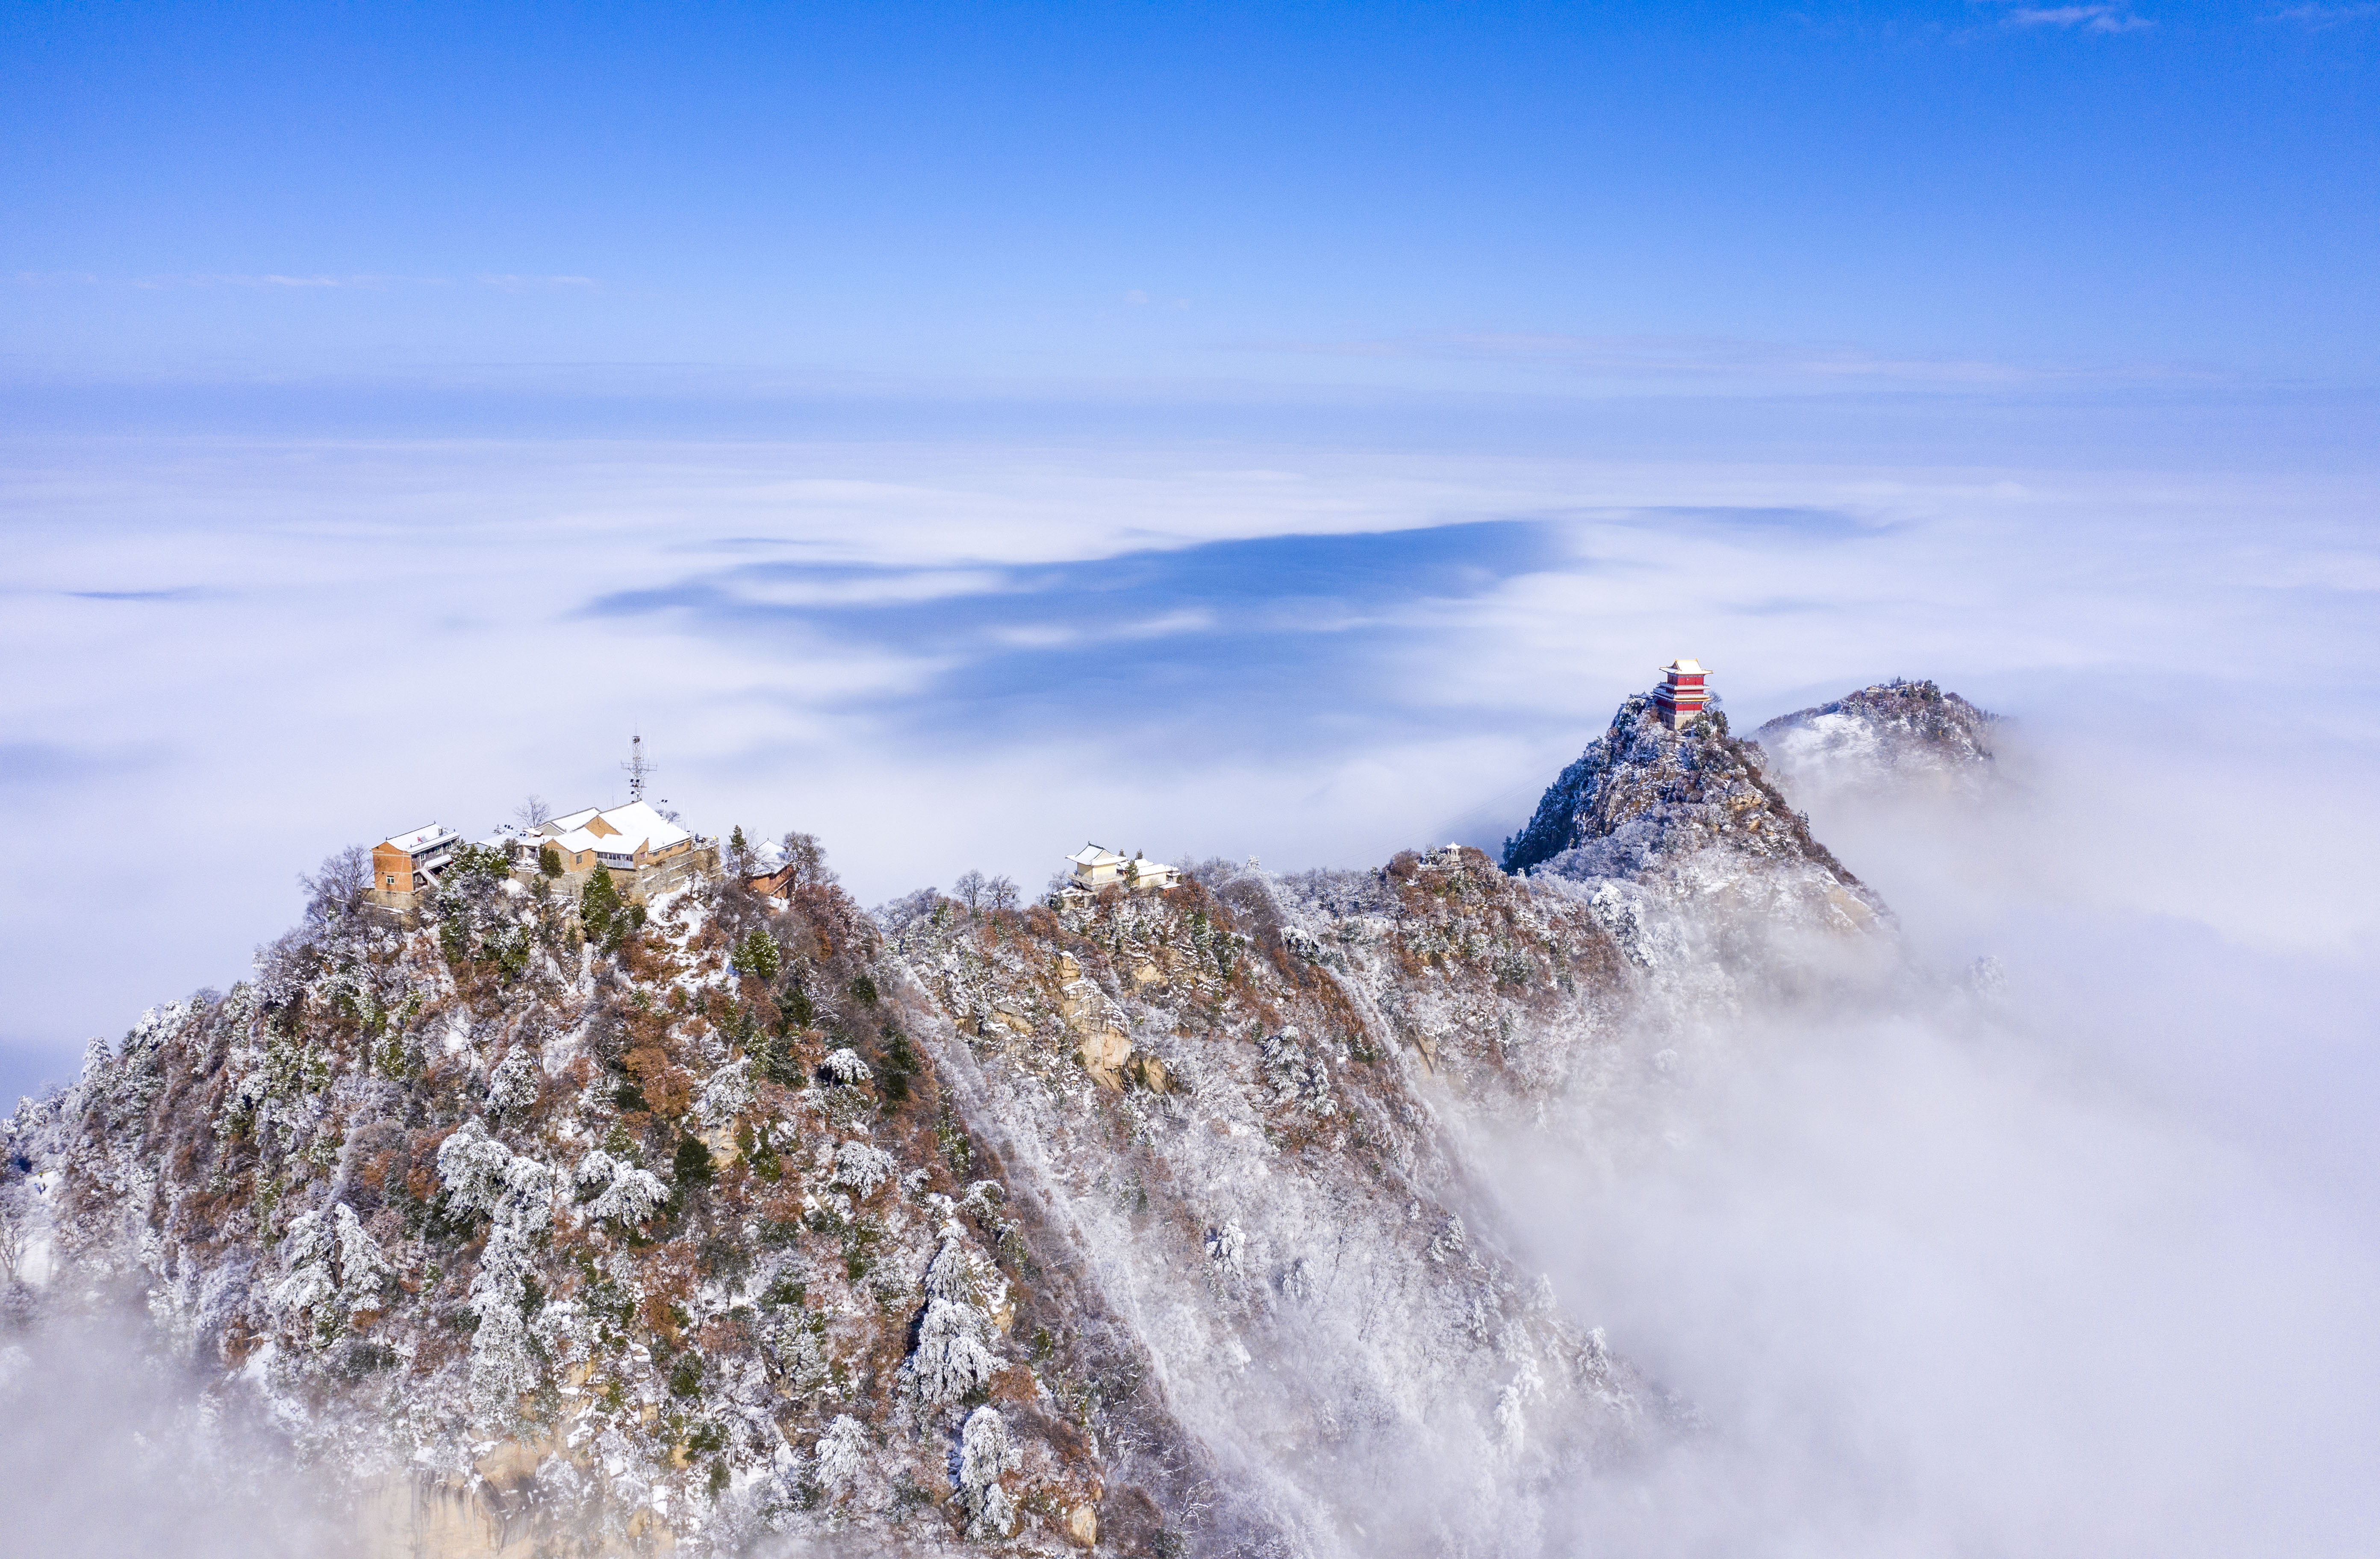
513	1086
954	1353
757	955
843	1455
862	1167
517	1194
986	1451
333	1269
621	1190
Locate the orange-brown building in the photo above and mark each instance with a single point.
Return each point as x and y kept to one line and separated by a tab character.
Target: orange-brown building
409	862
625	839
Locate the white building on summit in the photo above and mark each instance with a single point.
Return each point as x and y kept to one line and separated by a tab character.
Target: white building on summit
1096	866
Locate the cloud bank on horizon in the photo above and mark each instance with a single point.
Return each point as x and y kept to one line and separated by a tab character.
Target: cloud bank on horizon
952	657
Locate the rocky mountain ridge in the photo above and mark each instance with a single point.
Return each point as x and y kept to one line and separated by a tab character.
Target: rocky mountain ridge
1134	1226
1896	733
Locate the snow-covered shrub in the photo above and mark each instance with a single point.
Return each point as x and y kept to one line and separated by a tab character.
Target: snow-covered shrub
861	1167
843	1455
622	1190
985	1452
954	1353
845	1066
514	1085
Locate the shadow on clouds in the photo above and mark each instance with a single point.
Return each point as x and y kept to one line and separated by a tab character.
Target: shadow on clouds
1243	638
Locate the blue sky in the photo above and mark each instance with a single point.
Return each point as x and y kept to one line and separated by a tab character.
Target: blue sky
1431	197
1278	430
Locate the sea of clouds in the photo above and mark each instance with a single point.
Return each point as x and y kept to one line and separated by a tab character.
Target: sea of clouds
238	651
2078	1263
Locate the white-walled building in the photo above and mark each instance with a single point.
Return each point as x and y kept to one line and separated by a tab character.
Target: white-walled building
1096	866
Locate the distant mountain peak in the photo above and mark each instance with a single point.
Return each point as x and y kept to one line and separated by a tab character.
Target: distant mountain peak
1889	734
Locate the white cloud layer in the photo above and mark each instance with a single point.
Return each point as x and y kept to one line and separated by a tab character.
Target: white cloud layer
2083	1271
237	655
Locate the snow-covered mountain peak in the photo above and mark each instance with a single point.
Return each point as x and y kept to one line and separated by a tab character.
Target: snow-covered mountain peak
1891	735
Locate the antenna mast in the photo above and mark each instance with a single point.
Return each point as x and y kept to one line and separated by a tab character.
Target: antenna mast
638	768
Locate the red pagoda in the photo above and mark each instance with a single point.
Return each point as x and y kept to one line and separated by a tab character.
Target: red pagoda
1682	695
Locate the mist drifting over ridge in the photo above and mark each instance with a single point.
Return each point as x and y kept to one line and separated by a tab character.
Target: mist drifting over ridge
2065	1260
1921	1268
1918	1257
943	435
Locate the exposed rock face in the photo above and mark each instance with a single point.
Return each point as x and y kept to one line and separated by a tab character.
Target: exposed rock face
1896	734
1127	1221
1272	1188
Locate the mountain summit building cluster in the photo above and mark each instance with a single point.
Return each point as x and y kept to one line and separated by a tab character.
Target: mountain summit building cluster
647	853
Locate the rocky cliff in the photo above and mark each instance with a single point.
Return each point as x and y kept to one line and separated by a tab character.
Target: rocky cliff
1146	1224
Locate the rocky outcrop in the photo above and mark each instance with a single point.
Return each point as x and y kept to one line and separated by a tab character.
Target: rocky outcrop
1643	801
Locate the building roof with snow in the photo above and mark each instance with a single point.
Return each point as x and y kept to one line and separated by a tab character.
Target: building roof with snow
429	836
617	830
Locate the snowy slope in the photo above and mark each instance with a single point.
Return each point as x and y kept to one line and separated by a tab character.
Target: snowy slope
1152	1224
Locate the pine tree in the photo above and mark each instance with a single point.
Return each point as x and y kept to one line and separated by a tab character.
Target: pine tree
758	954
599	910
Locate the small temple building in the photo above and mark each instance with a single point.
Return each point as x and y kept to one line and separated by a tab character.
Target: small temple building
1096	866
1683	694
